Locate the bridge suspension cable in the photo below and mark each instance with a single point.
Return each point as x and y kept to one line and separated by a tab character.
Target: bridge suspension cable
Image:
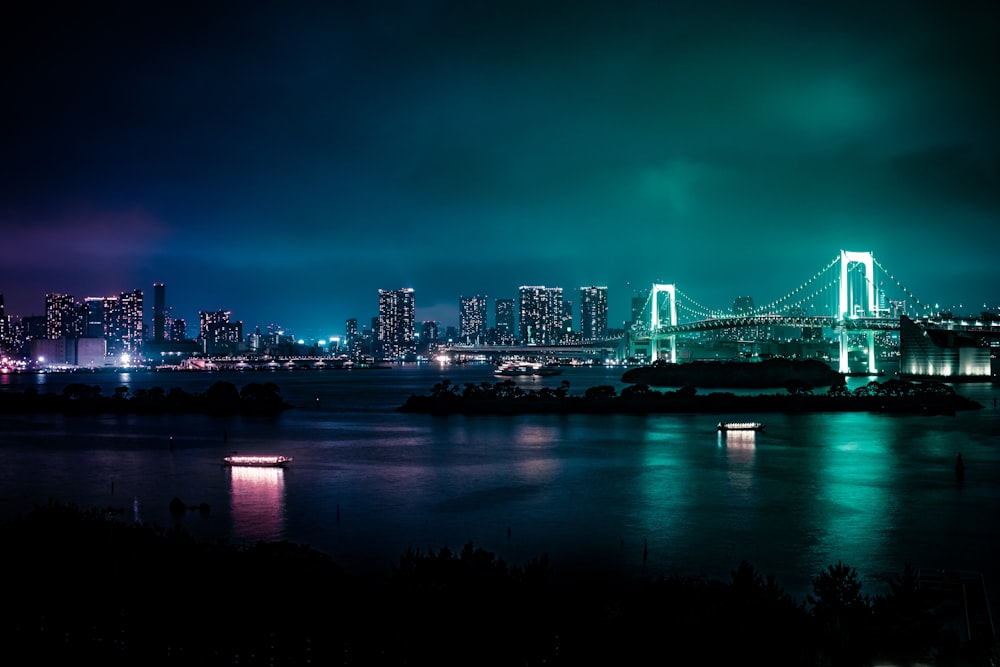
706	313
777	302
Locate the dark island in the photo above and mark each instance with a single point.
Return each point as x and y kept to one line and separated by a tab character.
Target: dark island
222	398
97	589
767	374
507	398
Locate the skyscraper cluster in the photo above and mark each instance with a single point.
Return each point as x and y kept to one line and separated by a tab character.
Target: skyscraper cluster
90	332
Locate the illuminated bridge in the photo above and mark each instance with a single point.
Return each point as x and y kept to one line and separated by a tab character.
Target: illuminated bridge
845	296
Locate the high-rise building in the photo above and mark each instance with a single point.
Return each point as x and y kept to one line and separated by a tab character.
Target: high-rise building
506	329
540	314
396	320
123	325
593	313
472	319
62	317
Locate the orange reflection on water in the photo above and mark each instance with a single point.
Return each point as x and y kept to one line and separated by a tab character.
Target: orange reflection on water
257	496
740	446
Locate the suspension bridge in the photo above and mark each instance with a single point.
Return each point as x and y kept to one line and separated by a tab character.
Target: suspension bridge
846	296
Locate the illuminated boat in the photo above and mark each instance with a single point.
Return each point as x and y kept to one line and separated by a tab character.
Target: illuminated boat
525	369
257	461
740	426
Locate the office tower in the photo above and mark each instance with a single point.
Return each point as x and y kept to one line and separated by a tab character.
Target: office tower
472	319
505	325
540	314
159	312
593	313
396	319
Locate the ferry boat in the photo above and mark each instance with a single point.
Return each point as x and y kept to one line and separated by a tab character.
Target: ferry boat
257	461
740	426
525	368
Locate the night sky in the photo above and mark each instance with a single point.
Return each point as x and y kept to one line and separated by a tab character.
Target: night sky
286	162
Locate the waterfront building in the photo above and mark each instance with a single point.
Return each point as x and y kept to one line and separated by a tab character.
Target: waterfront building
940	354
593	313
91	352
540	314
396	319
472	319
51	352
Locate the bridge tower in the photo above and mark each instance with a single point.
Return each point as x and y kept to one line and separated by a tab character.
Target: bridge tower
854	303
654	321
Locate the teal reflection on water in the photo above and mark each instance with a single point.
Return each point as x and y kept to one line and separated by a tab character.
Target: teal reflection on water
854	509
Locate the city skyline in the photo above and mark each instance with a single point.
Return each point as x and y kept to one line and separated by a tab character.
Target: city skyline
286	164
470	325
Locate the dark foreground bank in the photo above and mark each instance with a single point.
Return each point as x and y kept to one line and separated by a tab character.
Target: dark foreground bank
92	587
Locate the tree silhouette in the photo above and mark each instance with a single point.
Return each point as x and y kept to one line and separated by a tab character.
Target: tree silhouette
843	615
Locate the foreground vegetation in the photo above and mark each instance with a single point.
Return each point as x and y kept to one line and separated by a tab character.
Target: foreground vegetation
91	587
507	397
220	398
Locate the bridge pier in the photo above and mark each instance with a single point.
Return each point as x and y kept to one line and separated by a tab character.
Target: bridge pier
871	353
654	348
845	361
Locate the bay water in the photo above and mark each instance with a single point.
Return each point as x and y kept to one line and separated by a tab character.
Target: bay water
623	495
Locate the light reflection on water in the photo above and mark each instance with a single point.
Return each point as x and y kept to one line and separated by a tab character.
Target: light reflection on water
257	502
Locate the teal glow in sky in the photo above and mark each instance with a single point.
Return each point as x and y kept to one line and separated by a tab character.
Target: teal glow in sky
285	163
